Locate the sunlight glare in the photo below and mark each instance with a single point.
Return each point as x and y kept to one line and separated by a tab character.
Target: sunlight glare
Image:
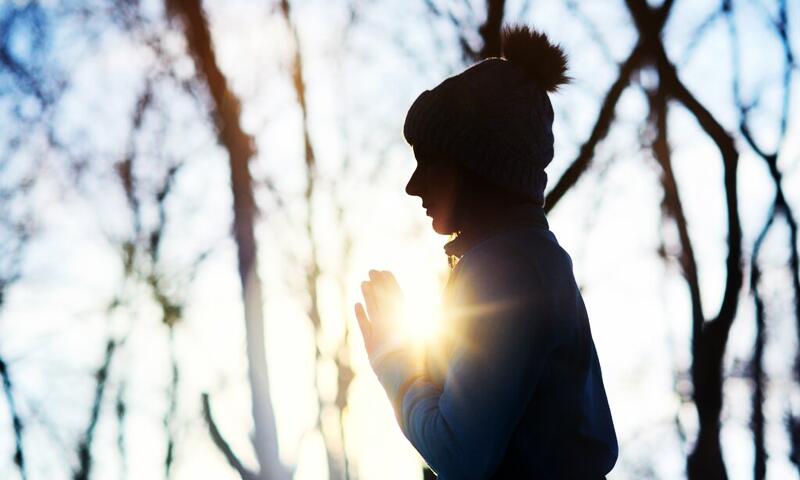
422	320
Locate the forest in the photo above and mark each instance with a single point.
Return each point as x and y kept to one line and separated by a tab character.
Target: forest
191	192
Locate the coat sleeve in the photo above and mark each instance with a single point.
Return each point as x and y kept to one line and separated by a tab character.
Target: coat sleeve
462	430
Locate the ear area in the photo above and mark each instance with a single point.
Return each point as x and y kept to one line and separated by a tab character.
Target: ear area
545	62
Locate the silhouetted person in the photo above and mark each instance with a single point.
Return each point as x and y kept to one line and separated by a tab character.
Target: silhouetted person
514	390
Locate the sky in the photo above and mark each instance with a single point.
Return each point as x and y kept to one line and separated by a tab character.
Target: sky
55	321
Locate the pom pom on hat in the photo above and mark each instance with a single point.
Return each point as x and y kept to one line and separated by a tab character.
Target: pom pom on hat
544	62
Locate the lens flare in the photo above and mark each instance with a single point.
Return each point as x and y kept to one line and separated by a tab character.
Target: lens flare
422	316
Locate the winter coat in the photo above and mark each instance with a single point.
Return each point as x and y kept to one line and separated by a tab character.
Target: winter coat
515	391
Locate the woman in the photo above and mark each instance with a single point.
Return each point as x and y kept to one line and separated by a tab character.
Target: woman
515	391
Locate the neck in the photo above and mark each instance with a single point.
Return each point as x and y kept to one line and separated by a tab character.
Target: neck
481	223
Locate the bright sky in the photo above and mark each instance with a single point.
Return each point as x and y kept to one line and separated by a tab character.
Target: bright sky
55	323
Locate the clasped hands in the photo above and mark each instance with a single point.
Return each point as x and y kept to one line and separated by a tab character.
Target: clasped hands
382	322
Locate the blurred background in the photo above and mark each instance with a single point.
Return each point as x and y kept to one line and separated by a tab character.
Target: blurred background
192	191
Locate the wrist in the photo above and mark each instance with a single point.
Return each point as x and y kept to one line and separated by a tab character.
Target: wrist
397	365
385	349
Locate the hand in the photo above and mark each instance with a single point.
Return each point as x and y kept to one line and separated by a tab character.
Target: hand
393	358
381	322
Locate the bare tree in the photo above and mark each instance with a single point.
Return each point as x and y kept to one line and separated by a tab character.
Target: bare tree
224	110
336	463
779	208
31	85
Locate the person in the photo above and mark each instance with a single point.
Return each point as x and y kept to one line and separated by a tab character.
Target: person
514	390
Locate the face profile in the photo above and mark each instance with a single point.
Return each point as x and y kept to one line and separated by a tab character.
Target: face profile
435	181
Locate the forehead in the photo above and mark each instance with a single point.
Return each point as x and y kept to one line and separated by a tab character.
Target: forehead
426	153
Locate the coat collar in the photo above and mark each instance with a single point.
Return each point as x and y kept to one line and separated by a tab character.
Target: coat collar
524	215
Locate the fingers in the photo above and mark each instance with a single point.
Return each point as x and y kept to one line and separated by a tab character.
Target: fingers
377	282
391	283
364	325
385	282
383	300
373	310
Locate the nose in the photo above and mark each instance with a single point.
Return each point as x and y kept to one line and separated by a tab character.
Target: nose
414	186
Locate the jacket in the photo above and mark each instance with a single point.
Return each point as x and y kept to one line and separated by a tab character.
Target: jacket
515	391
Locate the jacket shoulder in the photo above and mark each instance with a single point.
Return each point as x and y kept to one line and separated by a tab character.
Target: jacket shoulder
533	252
523	267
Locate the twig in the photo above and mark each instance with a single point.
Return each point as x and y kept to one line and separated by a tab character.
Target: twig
601	127
16	419
85	445
222	445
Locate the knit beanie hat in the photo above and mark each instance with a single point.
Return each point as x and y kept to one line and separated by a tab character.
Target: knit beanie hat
495	117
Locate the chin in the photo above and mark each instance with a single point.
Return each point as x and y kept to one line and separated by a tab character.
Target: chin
442	228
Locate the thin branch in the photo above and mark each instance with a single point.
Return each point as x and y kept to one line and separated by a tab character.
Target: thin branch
601	127
84	468
335	472
467	51
591	28
222	445
700	32
730	156
172	398
779	206
16	419
673	204
121	410
757	422
490	30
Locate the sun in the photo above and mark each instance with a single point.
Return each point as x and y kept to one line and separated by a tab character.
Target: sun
423	313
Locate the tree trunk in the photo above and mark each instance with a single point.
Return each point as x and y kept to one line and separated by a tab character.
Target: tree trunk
225	112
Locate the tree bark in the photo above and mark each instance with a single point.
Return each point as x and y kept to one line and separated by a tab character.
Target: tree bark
225	113
710	338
